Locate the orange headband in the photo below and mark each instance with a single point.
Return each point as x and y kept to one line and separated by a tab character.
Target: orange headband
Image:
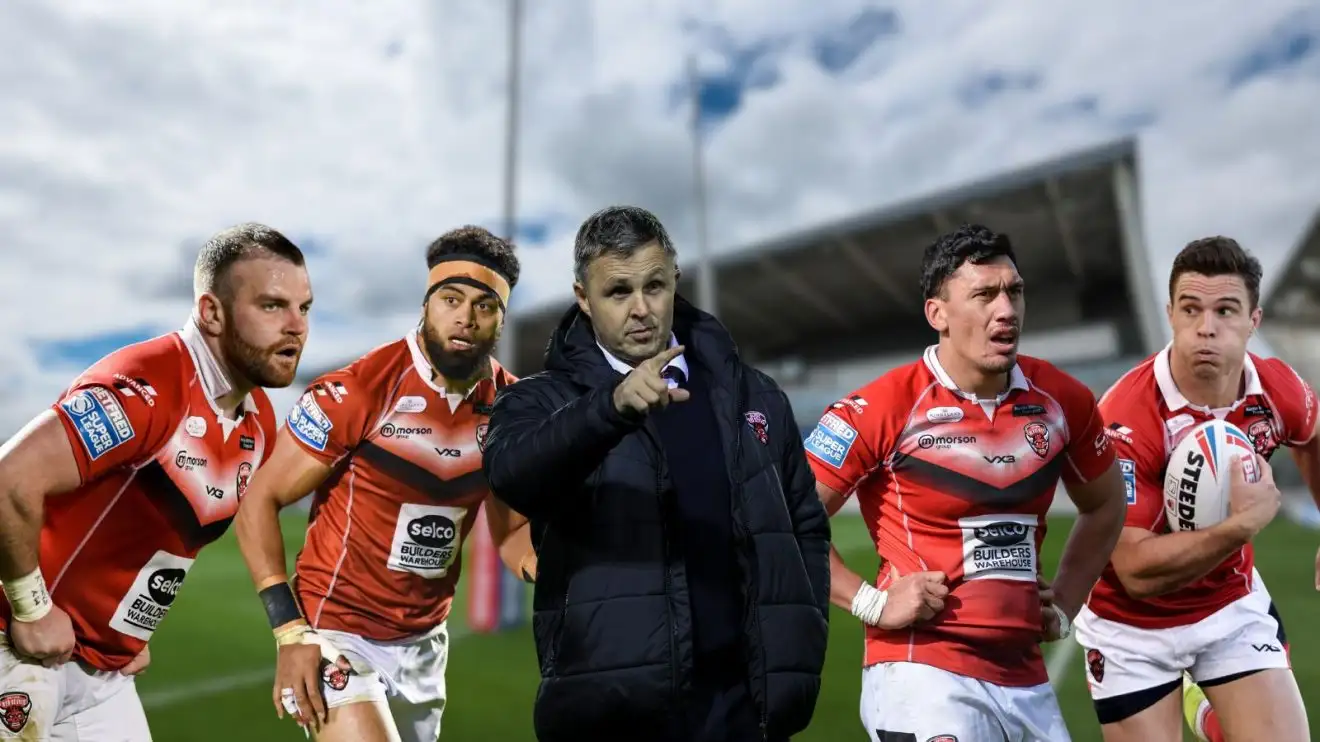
470	273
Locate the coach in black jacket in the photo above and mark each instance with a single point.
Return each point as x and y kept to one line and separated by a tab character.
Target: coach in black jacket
683	576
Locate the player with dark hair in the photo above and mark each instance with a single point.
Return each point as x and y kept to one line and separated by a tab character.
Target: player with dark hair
107	497
955	460
1192	602
391	445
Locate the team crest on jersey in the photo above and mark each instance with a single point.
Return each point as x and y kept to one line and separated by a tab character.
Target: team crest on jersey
1038	437
1095	662
244	476
333	675
943	738
1261	434
759	425
481	437
15	708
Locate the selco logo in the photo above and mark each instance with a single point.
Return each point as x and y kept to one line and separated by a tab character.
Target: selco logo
1004	533
432	530
390	430
944	441
164	585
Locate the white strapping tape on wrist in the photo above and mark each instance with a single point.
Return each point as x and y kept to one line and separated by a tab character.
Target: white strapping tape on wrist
869	603
29	597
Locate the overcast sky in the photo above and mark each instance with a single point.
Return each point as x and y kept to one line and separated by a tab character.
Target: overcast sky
130	131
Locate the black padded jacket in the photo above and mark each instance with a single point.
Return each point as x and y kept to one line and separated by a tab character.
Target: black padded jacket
611	618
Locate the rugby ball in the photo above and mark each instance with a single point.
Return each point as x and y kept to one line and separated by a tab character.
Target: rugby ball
1196	482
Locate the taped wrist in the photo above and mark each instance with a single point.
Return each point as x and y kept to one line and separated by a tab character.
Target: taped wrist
28	596
869	603
1065	625
281	607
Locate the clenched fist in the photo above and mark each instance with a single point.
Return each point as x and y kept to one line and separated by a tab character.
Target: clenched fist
915	597
644	389
48	640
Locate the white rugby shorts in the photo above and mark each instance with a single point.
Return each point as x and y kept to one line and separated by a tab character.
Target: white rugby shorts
69	703
1240	637
408	675
911	702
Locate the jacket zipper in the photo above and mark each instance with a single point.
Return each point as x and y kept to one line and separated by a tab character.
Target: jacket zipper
665	556
740	402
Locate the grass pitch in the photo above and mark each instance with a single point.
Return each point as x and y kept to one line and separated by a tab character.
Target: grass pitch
213	659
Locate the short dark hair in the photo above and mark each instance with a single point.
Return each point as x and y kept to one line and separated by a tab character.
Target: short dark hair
1218	256
237	243
972	243
478	241
617	230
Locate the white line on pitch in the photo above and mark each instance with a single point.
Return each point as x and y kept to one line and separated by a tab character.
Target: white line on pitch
205	688
178	693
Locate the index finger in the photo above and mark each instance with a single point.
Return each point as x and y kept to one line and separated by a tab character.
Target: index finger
659	360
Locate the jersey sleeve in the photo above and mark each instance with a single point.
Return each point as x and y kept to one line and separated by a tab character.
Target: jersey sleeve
1295	400
332	416
1089	452
121	411
1137	441
847	443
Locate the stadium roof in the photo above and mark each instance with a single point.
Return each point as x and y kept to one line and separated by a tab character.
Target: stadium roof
850	288
1295	296
1292	308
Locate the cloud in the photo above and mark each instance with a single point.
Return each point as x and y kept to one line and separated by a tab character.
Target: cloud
131	131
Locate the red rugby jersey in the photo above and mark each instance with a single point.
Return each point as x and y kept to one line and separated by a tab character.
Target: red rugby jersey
162	473
384	545
1147	417
951	483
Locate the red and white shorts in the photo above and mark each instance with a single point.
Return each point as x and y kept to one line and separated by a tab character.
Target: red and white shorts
1240	637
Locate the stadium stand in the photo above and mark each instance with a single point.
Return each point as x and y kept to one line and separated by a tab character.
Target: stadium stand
1292	306
1291	327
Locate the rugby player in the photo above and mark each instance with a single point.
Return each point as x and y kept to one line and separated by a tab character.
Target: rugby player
107	497
1192	601
391	445
954	460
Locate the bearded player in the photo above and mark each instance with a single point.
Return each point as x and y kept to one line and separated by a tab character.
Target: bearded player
391	446
1192	601
107	497
955	460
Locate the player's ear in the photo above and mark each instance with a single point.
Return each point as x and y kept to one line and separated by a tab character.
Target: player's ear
210	314
1256	315
936	316
1168	311
580	293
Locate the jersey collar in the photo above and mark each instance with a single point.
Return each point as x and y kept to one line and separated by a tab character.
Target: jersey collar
1175	399
1017	381
215	382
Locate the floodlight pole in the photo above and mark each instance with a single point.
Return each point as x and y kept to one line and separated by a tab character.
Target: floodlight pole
705	267
509	337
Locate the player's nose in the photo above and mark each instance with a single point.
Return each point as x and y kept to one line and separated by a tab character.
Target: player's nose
296	323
